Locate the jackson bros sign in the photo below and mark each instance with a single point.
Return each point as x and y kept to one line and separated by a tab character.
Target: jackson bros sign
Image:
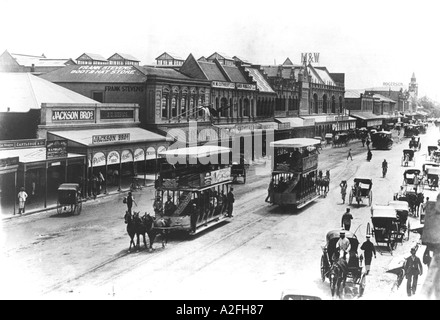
73	115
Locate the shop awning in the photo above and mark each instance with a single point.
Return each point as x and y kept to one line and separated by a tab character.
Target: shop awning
366	115
293	122
111	136
33	155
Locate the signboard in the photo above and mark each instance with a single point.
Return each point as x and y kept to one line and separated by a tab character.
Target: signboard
106	138
139	154
151	153
19	144
310	57
6	162
113	157
309	122
246	86
213	177
310	162
73	115
222	84
98	159
126	156
116	114
124	89
284	126
56	149
393	84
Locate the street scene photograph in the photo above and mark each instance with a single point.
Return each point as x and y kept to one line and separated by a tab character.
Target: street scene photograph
236	150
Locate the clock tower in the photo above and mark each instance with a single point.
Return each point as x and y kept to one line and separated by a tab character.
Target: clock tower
413	90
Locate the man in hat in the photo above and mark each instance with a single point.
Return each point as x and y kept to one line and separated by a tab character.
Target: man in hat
413	268
130	200
231	200
346	220
157	206
22	196
369	250
170	207
343	245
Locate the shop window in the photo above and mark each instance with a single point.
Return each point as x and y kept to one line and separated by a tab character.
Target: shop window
98	96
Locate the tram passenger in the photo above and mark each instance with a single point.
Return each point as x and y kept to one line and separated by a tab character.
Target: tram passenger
170	207
157	207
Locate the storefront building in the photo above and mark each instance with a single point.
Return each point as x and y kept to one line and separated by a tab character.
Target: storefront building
111	139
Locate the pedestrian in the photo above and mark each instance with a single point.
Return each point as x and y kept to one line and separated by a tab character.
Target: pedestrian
368	143
413	269
369	250
130	200
157	207
231	200
101	181
349	155
269	191
369	155
22	196
343	186
424	204
346	220
343	245
363	141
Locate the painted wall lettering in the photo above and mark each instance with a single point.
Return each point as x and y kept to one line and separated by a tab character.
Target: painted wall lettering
75	115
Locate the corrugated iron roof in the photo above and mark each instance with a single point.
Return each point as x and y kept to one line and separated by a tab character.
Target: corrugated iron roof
212	71
31	154
125	56
163	72
353	93
24	91
262	84
383	98
93	56
324	76
87	73
234	74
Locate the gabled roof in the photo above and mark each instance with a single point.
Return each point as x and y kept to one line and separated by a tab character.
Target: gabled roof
8	63
234	74
26	59
192	68
123	56
237	58
24	91
162	72
102	74
287	62
91	56
212	71
169	56
383	98
354	93
219	56
321	75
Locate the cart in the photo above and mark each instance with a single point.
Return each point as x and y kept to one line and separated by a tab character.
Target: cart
402	211
69	198
432	177
430	153
408	157
385	227
361	189
356	277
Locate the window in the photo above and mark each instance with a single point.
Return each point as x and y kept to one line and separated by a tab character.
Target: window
174	107
98	96
183	112
164	107
192	112
223	106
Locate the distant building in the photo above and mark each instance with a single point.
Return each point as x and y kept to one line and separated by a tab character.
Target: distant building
168	59
14	62
222	58
123	59
91	59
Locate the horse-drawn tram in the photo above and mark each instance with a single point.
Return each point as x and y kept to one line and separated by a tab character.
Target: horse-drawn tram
294	172
192	188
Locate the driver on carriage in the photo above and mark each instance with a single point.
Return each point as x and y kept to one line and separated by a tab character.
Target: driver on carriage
343	246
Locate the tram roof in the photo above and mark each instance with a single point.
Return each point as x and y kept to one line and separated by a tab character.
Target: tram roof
295	143
199	151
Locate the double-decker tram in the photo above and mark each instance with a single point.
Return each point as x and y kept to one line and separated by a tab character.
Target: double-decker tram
294	172
192	187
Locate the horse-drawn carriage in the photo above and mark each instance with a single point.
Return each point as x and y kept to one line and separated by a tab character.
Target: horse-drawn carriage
337	269
412	196
69	198
328	138
415	143
435	156
410	130
361	189
239	169
408	157
412	177
430	153
382	140
340	139
432	176
402	211
385	227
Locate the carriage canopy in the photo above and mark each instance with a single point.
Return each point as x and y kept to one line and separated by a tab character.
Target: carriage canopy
69	187
399	205
383	212
412	172
332	238
410	152
363	181
433	171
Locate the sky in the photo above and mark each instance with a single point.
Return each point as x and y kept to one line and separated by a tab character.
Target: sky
373	42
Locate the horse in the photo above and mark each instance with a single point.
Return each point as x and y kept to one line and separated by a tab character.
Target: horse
131	228
338	276
153	227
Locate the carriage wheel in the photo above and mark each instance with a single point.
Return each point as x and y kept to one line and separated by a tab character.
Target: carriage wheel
322	269
362	285
370	198
350	198
59	207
